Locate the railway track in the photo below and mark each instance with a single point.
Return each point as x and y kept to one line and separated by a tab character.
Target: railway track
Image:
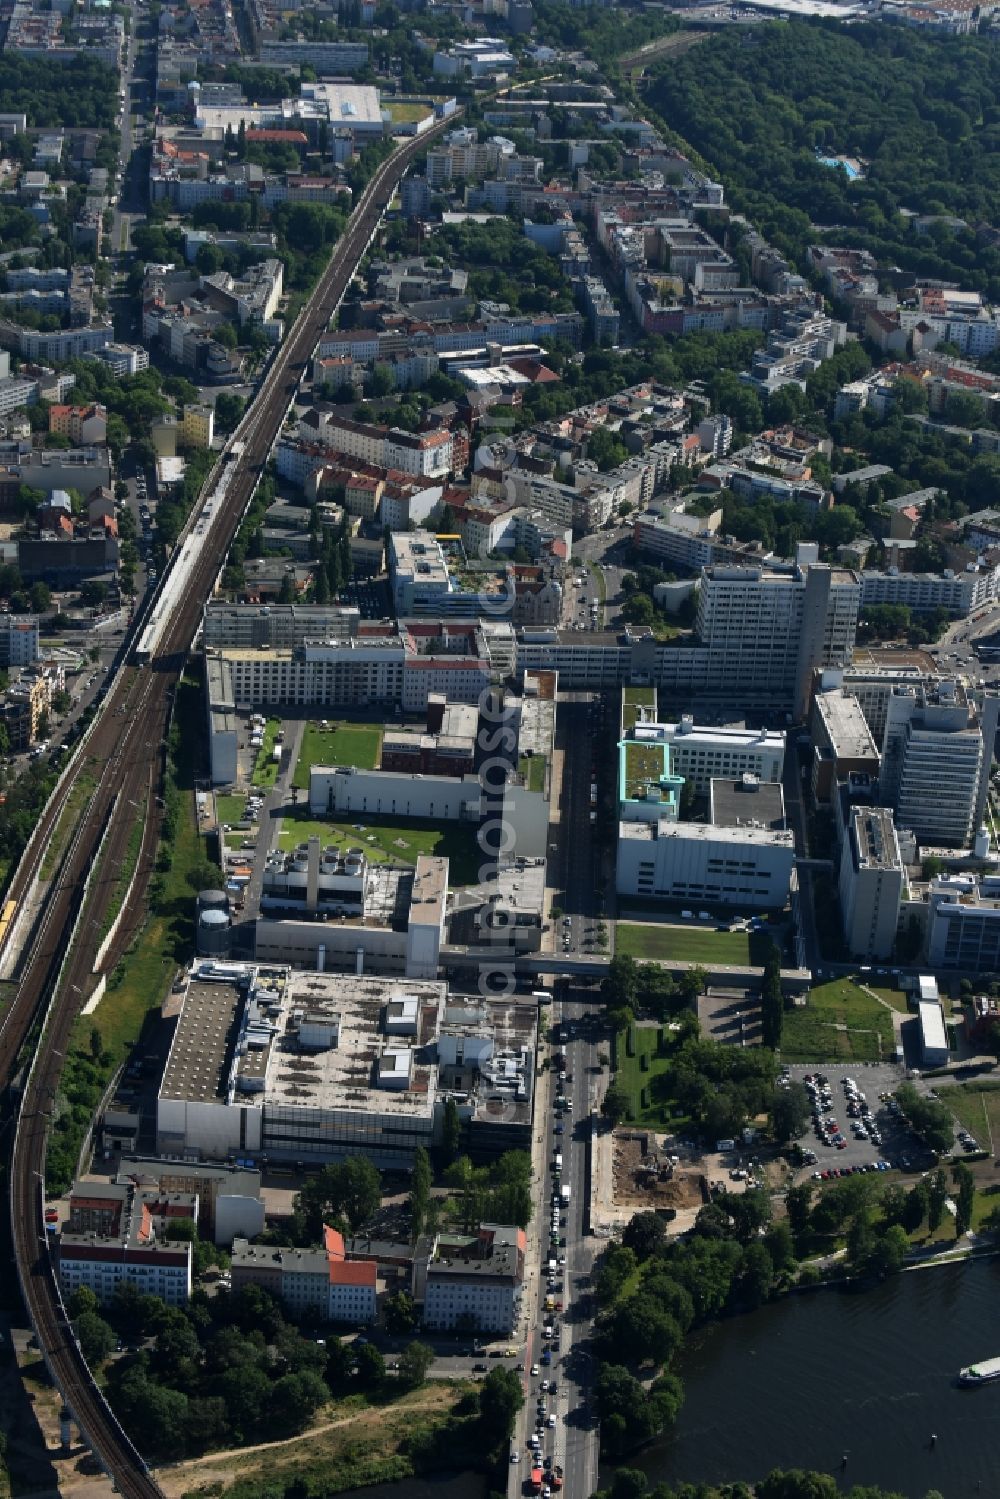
124	753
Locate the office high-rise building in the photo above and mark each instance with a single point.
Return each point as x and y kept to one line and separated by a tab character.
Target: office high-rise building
936	760
768	628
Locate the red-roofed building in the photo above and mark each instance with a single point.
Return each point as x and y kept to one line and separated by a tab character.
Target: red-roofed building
322	1281
282	137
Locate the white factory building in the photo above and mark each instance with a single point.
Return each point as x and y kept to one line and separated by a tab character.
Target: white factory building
701	753
743	857
269	1064
345	791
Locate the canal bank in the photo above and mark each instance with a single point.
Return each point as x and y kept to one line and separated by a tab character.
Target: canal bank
867	1375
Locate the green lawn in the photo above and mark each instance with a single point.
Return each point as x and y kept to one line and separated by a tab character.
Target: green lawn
894	997
656	1077
682	944
532	767
407	114
265	770
356	744
632	699
810	1032
392	841
973	1104
230	809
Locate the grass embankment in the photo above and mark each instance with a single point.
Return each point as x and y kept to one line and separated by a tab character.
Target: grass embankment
976	1106
138	985
80	794
690	944
391	840
839	1021
356	744
121	877
345	1449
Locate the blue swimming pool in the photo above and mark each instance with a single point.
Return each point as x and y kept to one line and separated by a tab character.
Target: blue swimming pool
838	161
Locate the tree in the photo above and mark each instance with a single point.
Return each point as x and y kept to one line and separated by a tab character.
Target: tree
693	983
414	1362
615	1105
644	1234
888	1252
82	1300
400	1313
41	597
928	1117
451	1130
95	1336
798	1205
638	1330
937	1196
293	1400
370	1366
781	1245
618	1263
500	1399
966	1197
771	1001
177	1352
339	1366
620	987
756	1278
789	1112
349	1191
420	1191
915	1207
797	1484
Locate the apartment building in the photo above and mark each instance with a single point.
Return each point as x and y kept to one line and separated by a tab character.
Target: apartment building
119	1233
326	57
258	626
959	593
872	883
323	1283
472	1280
83	425
19	640
197	429
936	761
425	455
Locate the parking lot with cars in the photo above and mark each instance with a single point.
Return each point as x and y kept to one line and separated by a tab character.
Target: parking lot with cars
856	1126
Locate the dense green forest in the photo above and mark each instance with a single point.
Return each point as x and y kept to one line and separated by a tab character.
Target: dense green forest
77	93
921	112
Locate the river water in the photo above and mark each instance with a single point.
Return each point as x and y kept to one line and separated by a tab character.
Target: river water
866	1375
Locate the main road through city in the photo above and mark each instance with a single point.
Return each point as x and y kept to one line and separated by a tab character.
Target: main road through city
565	1096
123	756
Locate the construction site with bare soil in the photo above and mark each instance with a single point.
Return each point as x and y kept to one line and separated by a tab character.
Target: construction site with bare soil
647	1176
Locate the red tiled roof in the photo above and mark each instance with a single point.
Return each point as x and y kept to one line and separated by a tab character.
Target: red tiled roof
295	137
353	1273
